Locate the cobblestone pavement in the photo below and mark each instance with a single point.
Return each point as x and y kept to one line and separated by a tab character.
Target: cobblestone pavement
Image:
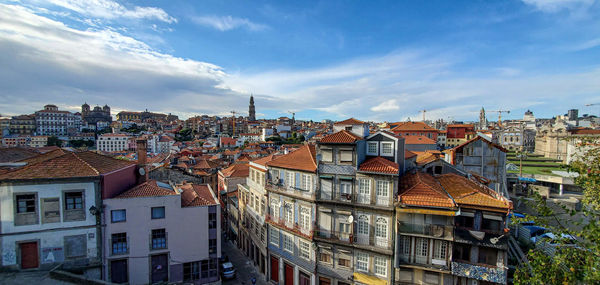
29	277
244	268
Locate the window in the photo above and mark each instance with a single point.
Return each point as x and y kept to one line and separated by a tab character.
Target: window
304	249
387	148
381	266
274	210
305	217
345	155
159	239
117	216
364	186
26	203
212	246
191	271
383	188
75	246
488	256
345	187
288	243
381	228
363	225
158	213
326	155
422	247
290	179
289	212
362	262
461	252
405	245
344	261
273	236
440	248
306	182
119	243
490	225
212	220
372	148
325	257
73	200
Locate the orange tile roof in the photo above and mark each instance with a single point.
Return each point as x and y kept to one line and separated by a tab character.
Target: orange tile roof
303	159
194	195
351	121
263	160
421	189
12	154
68	165
409	154
584	131
342	136
146	189
426	157
460	126
418	140
44	157
412	126
380	165
237	170
469	193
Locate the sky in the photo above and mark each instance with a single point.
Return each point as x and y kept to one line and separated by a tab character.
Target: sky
372	60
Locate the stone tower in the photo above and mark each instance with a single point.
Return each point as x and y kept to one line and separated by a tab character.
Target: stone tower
251	110
482	120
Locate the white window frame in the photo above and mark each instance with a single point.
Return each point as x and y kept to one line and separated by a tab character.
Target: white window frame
391	153
376	144
291	177
275	208
440	249
288	212
381	186
328	157
422	247
405	245
380	266
303	249
381	227
363	224
362	262
342	156
288	243
364	186
305	217
306	182
345	187
274	236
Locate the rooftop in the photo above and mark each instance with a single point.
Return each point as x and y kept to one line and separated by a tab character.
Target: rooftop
380	165
303	159
147	189
351	121
342	136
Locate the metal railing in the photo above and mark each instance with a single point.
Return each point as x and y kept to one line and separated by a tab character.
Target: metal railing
425	229
294	227
289	190
378	242
360	199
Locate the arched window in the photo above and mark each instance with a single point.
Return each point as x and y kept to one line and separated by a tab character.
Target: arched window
381	228
363	225
305	217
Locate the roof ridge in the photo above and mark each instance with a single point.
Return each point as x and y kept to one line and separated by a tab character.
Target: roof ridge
86	163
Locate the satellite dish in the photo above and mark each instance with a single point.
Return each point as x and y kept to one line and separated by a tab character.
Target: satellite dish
351	219
142	171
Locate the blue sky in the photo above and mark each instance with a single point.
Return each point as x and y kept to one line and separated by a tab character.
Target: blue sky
373	60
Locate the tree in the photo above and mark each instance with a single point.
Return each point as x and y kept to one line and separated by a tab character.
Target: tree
574	261
54	141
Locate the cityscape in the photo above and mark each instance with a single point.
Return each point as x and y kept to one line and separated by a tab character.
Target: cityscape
142	164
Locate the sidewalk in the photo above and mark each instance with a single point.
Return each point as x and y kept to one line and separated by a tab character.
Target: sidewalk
244	268
29	277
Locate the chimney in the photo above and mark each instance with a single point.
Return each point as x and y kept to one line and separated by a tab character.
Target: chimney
141	154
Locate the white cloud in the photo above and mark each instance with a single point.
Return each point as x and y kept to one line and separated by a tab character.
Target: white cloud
226	23
386	106
556	5
108	9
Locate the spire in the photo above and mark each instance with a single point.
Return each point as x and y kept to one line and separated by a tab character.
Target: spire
251	109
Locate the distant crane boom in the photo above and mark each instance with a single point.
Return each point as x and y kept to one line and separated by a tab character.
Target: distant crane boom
500	115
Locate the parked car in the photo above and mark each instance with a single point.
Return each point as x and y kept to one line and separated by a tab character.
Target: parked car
227	270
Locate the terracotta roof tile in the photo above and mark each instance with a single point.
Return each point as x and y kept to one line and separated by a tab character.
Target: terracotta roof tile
69	165
12	154
351	121
237	170
379	164
44	157
418	140
468	193
302	159
194	195
421	189
409	154
147	189
263	160
411	126
342	136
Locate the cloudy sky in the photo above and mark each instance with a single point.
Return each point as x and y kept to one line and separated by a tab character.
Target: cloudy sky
373	60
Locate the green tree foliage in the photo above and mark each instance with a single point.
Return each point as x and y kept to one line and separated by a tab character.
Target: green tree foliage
184	135
573	261
135	129
81	143
54	141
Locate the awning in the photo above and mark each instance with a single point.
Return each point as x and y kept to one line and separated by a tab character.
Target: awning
367	279
527	179
426	211
345	178
326	176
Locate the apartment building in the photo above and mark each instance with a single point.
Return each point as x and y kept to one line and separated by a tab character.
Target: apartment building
291	190
112	142
50	209
450	230
159	233
253	200
53	122
358	178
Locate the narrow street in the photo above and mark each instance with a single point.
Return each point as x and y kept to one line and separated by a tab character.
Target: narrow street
244	268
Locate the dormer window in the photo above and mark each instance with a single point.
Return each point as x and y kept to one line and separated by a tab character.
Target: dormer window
387	149
372	148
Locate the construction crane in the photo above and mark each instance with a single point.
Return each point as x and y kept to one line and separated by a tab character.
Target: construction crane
293	116
423	111
499	115
233	112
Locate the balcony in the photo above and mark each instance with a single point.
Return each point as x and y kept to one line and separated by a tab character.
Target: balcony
481	272
365	242
356	199
495	239
293	227
438	231
290	191
335	236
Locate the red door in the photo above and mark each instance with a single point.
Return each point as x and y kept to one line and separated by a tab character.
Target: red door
29	255
274	269
289	274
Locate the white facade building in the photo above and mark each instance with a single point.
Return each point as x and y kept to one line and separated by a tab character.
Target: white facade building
54	122
113	142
